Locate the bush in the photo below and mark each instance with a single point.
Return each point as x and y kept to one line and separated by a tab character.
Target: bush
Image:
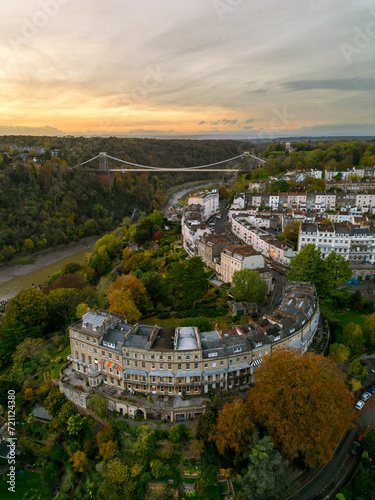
164	315
203	324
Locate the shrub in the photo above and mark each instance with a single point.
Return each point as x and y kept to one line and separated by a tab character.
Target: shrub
164	315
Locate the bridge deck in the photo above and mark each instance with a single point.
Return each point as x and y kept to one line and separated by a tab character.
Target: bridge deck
173	170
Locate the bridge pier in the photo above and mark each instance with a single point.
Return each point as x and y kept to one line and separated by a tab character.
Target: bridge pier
106	178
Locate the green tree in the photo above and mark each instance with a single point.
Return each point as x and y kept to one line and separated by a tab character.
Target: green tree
357	370
62	305
248	286
12	335
308	265
76	423
177	433
291	232
369	441
267	474
159	469
339	352
145	442
29	348
28	308
336	270
98	404
352	336
370	329
155	286
278	186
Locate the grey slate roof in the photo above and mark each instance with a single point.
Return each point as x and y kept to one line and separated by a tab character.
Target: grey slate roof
42	413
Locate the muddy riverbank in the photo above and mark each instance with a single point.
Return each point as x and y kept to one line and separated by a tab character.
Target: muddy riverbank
16	277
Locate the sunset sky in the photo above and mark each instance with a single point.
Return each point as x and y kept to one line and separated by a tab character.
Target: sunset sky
194	67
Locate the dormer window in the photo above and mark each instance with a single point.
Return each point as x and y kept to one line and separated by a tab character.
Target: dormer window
258	344
237	349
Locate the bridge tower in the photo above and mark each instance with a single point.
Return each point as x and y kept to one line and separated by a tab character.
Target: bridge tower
105	176
103	161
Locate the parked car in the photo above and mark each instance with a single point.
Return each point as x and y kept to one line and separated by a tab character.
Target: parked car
360	404
354	449
372	389
365	396
359	438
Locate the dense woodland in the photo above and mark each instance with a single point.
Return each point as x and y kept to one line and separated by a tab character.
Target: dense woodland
45	202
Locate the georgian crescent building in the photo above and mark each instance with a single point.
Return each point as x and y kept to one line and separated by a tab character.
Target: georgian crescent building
176	367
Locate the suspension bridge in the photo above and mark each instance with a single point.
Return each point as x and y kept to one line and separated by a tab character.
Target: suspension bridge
136	167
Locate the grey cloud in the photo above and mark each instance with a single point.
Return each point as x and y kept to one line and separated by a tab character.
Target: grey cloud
348	84
202	122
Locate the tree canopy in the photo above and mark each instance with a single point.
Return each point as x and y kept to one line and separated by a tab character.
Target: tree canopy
303	402
248	286
308	265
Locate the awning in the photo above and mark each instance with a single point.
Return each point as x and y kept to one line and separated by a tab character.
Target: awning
110	364
159	373
242	366
133	371
216	371
256	362
188	373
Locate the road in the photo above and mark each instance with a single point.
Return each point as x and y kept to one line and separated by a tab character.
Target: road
328	481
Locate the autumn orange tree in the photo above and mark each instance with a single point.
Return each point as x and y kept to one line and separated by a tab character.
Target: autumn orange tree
126	295
303	402
233	429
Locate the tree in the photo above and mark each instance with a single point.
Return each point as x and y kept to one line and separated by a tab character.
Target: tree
278	186
76	424
303	403
29	394
145	442
12	335
370	329
357	370
98	404
155	286
336	270
131	285
187	280
123	304
369	441
29	348
108	450
80	461
352	337
339	352
159	470
291	232
267	474
28	308
234	429
308	265
248	286
62	305
177	433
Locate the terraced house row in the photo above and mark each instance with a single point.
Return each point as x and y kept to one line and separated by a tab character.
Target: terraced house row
118	359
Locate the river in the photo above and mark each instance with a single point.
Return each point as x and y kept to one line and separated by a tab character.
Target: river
14	278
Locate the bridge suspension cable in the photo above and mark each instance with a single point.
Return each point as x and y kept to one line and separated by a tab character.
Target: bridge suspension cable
163	168
83	163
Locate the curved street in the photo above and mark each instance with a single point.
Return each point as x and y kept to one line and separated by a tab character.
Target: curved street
326	482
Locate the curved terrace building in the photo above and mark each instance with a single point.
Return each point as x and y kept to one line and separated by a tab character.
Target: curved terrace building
176	367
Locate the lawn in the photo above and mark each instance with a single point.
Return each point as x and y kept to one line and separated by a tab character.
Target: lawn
55	371
24	483
343	317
